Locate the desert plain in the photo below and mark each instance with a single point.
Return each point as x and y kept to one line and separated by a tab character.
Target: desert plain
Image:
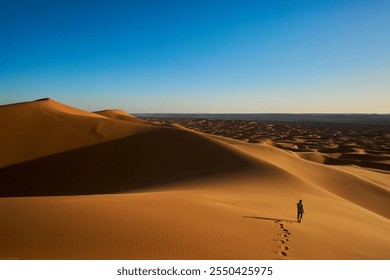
107	185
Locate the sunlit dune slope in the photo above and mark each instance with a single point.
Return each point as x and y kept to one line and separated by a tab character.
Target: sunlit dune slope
361	191
44	127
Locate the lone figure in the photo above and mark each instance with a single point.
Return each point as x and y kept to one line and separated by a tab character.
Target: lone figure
300	211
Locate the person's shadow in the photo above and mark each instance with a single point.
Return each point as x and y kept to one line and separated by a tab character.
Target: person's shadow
276	220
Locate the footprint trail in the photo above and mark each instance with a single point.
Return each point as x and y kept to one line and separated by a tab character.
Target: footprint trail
283	240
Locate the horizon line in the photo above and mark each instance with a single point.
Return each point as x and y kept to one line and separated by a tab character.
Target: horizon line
253	113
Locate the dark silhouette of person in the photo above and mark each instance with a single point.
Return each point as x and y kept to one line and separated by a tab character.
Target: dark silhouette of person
300	211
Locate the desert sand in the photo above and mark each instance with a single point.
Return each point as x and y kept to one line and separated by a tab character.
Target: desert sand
107	185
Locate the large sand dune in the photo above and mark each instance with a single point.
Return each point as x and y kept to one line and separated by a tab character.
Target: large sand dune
106	185
44	127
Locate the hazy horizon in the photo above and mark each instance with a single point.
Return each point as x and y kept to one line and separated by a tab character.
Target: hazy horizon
211	113
304	57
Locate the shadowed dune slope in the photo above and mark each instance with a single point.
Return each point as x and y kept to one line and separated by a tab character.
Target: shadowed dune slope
72	152
44	127
146	159
117	114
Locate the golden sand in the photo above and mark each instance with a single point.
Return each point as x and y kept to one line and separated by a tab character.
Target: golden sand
106	185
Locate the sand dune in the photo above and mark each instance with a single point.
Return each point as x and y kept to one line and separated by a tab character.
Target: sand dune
44	127
118	114
151	158
105	185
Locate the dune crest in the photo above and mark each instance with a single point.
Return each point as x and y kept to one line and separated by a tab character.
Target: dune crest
57	107
32	130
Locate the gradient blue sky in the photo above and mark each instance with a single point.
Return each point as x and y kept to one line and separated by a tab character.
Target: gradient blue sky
198	56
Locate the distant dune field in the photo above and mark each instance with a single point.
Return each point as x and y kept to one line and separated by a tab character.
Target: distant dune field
108	185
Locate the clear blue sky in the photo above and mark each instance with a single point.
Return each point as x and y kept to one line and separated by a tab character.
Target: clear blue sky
198	56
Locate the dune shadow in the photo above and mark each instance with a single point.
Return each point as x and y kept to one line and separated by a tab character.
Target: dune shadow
276	220
140	161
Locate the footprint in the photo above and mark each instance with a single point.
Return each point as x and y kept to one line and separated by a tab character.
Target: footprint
282	253
283	242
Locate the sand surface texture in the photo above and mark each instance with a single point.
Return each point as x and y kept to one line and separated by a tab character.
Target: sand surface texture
106	185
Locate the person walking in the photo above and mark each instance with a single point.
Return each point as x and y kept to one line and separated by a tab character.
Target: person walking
300	211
